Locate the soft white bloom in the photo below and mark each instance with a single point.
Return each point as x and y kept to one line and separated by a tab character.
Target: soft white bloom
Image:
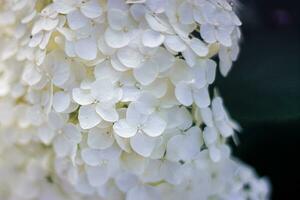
110	99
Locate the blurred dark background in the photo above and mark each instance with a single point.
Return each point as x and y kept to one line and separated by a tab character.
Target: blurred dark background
262	92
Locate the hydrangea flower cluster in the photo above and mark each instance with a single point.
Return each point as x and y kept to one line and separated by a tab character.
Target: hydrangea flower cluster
111	99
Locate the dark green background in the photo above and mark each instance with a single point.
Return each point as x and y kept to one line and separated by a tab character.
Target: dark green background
262	92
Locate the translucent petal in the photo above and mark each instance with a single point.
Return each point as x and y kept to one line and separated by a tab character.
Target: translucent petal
126	181
137	11
91	9
225	129
143	192
174	43
183	94
211	71
210	135
61	73
163	59
107	111
30	75
46	134
152	38
99	138
82	97
185	147
91	156
157	24
208	33
185	12
116	39
123	129
201	97
218	109
133	116
224	36
130	57
206	115
61	146
146	104
72	133
214	153
154	126
97	175
56	120
116	19
143	144
61	101
146	73
102	90
86	48
88	118
76	20
198	47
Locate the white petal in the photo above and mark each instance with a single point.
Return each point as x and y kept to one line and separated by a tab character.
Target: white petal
61	101
185	147
102	90
91	9
154	126
201	97
86	48
183	94
61	146
82	97
99	138
214	153
152	38
207	32
218	108
206	115
116	19
123	129
116	39
198	47
146	73
30	75
72	133
107	111
174	43
224	36
225	129
143	193
158	24
211	71
61	73
133	116
91	156
126	181
143	144
97	175
130	57
46	134
76	20
88	118
163	59
146	104
185	12
210	135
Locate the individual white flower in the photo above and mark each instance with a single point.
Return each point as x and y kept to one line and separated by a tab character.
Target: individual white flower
196	90
136	123
78	12
98	102
185	147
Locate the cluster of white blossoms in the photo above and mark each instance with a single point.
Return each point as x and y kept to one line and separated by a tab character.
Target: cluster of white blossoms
111	99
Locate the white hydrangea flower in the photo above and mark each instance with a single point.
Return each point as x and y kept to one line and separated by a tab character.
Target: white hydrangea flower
110	99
